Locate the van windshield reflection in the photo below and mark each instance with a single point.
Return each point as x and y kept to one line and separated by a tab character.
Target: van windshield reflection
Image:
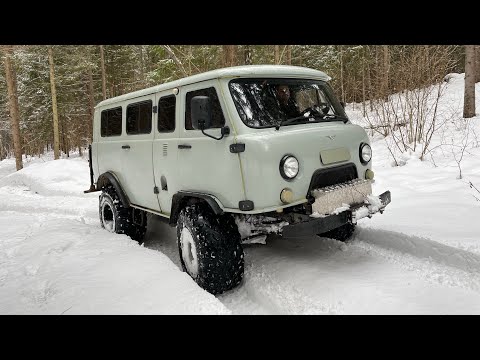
277	102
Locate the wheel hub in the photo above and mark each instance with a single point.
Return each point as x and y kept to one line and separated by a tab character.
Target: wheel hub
189	252
108	218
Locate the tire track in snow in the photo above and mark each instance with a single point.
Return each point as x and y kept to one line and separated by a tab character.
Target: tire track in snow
421	247
275	297
432	261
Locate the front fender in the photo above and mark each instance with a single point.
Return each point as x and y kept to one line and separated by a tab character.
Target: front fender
182	198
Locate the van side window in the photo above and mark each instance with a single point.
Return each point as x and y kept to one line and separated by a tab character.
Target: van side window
139	118
111	122
218	119
166	114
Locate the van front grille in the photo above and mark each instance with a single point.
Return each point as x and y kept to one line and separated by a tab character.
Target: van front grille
332	176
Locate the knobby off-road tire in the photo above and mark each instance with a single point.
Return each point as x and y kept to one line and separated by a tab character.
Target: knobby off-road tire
210	249
114	217
342	233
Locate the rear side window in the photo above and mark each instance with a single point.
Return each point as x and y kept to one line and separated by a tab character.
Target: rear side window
166	114
218	120
139	118
111	122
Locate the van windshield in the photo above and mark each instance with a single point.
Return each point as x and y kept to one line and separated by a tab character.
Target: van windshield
277	102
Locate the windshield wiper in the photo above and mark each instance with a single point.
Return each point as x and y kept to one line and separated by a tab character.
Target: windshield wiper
315	116
336	117
292	120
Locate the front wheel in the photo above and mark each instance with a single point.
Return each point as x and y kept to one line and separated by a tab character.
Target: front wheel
210	249
342	233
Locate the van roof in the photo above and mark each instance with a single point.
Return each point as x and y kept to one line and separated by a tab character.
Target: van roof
282	71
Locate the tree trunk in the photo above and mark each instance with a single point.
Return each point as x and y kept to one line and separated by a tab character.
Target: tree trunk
386	71
369	84
104	76
190	56
363	83
54	105
66	145
91	104
277	54
469	95
142	65
289	54
477	63
247	54
342	88
228	55
13	104
175	59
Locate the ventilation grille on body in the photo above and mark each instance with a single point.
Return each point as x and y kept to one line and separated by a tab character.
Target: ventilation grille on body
165	149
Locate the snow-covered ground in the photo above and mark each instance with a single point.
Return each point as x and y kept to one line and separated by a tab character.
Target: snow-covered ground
55	258
422	256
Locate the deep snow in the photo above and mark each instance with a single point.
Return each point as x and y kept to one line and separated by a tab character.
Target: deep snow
55	258
422	256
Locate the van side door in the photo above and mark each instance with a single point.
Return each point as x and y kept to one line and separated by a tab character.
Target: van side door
109	135
207	165
137	169
165	167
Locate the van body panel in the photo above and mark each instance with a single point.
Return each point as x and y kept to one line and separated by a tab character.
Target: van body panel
165	158
208	166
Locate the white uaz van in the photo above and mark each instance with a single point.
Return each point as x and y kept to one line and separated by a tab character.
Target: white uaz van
230	155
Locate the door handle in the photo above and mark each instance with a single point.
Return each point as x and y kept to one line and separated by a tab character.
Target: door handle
184	146
125	146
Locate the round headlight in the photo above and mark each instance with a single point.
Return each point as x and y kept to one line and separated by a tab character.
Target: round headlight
289	167
365	153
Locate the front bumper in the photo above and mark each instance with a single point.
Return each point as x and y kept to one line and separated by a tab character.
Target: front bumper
330	222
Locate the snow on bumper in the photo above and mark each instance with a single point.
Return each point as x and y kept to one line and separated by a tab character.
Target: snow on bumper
372	205
340	204
355	195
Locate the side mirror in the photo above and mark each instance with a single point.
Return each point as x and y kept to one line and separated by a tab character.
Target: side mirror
201	112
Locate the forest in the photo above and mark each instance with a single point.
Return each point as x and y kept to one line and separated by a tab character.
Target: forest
48	93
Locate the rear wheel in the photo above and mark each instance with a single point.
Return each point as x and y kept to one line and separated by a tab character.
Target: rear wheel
116	218
342	233
209	248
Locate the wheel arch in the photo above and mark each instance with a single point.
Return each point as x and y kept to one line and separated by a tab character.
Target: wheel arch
110	178
184	198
